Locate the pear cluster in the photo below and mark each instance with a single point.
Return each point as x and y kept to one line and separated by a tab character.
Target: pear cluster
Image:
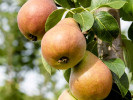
64	47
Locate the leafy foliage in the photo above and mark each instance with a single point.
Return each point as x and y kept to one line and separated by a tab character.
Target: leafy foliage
126	11
105	26
120	78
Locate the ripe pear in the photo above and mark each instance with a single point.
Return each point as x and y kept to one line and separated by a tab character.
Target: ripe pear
64	45
32	16
66	95
90	79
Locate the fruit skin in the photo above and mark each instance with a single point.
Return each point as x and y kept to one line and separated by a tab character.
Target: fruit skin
64	45
90	79
32	16
66	95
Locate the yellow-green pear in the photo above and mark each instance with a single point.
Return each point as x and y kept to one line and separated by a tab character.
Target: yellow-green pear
64	45
90	79
32	16
66	95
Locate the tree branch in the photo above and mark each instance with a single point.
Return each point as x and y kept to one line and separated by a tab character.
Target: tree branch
105	50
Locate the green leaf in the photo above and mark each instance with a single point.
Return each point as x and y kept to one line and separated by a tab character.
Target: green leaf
130	32
46	65
116	4
116	65
85	19
122	83
76	3
128	53
105	26
73	11
125	16
127	11
85	3
67	74
115	94
92	47
53	19
65	3
89	36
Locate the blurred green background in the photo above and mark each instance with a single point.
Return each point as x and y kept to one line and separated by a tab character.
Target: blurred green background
22	75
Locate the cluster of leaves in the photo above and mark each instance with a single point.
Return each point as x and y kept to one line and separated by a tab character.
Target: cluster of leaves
103	25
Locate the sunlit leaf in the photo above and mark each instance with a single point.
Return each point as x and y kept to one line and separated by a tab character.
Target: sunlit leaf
116	4
116	65
85	19
53	19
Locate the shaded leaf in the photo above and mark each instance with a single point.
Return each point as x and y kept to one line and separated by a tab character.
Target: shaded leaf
65	3
116	65
89	36
46	65
125	16
76	3
53	19
105	26
126	11
92	47
85	19
67	74
122	83
85	3
130	32
128	53
115	94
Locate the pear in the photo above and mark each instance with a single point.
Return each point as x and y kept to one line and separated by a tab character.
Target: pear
66	95
32	16
64	45
90	79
